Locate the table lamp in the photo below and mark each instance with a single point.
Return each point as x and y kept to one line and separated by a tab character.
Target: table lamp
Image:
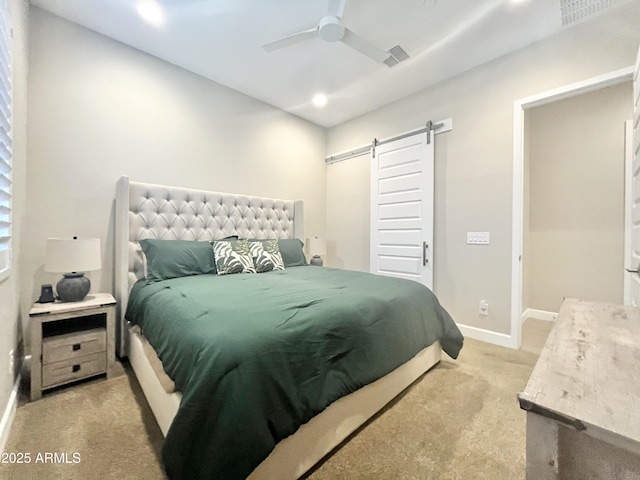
317	247
72	257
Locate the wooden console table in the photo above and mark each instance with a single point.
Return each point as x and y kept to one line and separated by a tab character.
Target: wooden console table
583	396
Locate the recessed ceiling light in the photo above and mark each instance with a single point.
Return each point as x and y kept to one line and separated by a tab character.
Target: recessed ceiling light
319	100
151	12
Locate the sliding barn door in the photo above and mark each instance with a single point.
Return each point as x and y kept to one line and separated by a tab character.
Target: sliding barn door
635	191
402	209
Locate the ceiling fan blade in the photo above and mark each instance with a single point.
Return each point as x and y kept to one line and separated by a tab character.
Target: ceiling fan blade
361	45
291	40
336	8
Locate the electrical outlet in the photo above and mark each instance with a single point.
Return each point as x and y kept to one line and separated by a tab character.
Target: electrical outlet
484	308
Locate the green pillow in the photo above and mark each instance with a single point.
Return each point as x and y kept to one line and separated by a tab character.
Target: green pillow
291	251
176	258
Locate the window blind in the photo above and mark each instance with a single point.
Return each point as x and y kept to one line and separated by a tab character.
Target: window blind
5	135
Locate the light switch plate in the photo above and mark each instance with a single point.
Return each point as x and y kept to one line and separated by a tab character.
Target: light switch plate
477	238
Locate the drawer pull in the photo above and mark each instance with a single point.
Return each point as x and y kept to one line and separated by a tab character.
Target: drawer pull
76	368
76	347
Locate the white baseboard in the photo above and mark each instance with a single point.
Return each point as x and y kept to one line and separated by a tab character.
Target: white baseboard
9	414
538	315
488	336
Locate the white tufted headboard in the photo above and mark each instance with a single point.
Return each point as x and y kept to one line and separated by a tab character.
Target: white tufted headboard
145	210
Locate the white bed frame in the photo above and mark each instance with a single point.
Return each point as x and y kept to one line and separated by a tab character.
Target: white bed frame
157	211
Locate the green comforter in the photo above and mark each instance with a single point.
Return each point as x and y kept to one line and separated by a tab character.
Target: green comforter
257	355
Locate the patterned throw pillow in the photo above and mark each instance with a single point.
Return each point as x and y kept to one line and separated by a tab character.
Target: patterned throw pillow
260	259
266	252
233	256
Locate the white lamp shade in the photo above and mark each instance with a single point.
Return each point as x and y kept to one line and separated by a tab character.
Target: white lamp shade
65	255
317	246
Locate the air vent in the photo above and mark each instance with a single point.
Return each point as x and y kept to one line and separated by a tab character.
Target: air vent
575	11
390	62
396	55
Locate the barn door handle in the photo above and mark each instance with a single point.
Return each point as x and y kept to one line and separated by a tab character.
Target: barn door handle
632	270
424	254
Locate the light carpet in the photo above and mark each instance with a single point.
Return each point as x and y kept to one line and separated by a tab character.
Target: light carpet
459	421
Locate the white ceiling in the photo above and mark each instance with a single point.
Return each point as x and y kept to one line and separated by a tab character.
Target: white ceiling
221	40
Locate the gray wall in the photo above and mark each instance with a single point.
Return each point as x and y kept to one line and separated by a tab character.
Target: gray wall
576	199
347	247
99	109
11	328
474	161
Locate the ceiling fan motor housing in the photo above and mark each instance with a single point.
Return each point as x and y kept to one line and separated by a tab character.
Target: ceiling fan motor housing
331	29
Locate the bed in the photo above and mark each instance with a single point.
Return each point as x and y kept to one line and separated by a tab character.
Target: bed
330	399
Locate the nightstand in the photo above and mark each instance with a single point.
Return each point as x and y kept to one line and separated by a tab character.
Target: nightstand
71	341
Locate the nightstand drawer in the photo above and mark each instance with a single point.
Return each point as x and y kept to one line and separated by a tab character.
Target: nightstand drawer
71	346
74	369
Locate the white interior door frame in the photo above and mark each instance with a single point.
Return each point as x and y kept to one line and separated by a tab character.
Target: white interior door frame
519	107
628	201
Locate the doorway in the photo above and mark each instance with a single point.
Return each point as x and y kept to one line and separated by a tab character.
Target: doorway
573	244
518	246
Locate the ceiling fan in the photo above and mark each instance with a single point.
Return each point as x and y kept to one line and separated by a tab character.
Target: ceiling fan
331	29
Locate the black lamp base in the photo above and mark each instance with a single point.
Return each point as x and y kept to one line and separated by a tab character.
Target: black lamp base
316	260
73	287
